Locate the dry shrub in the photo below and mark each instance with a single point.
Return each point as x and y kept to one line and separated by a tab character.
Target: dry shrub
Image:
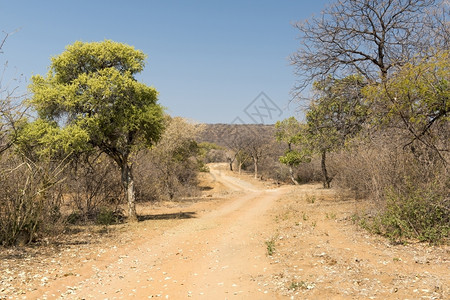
311	171
215	155
410	187
420	212
161	179
38	198
93	188
169	170
212	153
270	168
30	200
145	178
278	172
303	173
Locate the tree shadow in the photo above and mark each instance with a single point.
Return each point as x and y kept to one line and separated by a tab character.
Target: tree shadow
72	243
174	216
205	188
15	255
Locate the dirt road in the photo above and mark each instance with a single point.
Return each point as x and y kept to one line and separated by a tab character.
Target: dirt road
219	255
215	248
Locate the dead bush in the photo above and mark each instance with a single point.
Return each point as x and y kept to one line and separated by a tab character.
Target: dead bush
161	178
310	172
169	170
92	187
30	200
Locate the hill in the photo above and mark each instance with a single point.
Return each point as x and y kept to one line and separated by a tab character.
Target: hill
225	134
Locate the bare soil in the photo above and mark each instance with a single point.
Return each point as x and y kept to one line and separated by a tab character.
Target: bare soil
216	247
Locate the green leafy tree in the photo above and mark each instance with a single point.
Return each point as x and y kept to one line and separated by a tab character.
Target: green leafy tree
416	101
91	99
337	114
290	131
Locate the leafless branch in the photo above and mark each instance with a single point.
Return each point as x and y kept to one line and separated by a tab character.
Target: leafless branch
371	38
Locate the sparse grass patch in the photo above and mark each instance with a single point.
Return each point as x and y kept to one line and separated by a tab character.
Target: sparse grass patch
331	216
305	217
354	218
284	215
300	285
310	198
270	244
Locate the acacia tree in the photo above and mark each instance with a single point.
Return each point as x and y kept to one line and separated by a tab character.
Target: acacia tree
416	101
368	37
91	97
337	113
290	131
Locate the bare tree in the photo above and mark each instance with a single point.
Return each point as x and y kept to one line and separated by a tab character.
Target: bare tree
258	147
10	107
236	138
368	37
230	156
6	124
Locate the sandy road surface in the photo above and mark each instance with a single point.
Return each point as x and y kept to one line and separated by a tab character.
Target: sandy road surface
220	255
214	248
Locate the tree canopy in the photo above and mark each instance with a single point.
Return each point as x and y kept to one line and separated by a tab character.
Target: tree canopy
291	132
416	101
336	114
91	96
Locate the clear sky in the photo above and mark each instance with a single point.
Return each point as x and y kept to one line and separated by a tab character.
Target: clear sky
210	60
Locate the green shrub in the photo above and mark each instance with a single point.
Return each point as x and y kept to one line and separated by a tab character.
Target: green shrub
74	218
415	212
108	216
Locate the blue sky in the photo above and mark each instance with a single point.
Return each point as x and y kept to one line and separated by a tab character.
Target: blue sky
210	60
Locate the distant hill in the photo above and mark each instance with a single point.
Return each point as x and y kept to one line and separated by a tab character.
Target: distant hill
224	134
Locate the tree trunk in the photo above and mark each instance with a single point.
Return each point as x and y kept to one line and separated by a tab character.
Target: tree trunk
291	174
326	179
291	171
128	184
256	167
231	164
